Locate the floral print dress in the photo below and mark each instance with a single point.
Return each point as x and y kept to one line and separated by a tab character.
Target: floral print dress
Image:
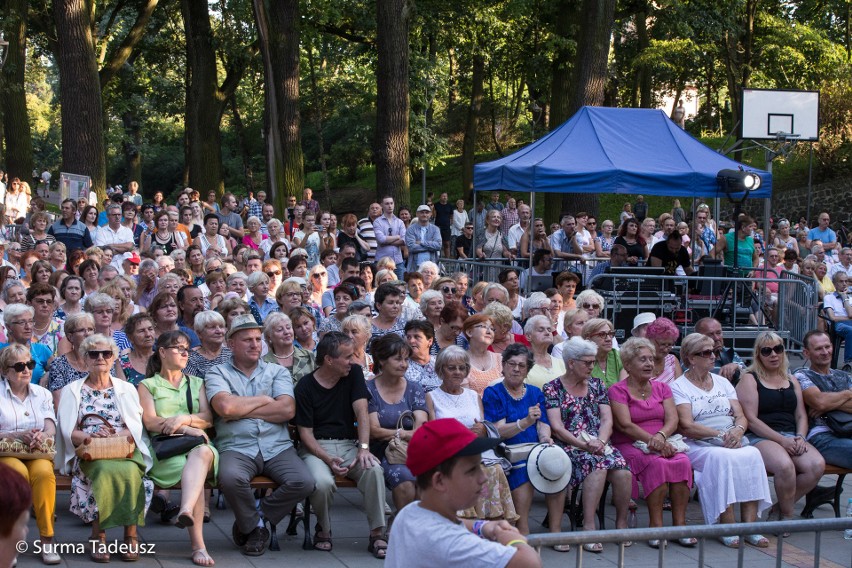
581	414
103	404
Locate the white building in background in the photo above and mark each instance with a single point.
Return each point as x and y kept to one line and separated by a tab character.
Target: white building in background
689	96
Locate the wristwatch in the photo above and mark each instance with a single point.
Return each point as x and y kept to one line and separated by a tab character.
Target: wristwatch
363	446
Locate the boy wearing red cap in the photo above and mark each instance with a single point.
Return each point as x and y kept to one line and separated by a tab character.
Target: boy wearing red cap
445	457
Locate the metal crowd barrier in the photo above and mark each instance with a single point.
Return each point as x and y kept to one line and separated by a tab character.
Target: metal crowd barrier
701	532
488	269
672	297
798	312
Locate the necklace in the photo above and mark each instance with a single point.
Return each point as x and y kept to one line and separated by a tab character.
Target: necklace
41	331
521	397
643	393
699	382
454	399
287	356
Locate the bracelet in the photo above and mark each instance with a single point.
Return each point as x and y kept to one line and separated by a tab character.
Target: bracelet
663	434
516	542
477	528
518	424
740	426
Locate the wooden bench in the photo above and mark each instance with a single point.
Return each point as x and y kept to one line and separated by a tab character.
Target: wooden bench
259	483
819	495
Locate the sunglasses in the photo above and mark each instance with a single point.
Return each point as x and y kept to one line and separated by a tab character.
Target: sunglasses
448	290
94	355
605	334
767	351
273	274
19	367
591	306
707	353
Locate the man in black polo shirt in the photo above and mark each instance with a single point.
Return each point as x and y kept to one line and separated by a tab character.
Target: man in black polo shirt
69	231
334	426
670	254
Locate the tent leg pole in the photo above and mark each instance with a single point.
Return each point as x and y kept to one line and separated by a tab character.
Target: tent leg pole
475	228
529	263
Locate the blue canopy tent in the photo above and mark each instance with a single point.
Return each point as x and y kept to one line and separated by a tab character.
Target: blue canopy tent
614	150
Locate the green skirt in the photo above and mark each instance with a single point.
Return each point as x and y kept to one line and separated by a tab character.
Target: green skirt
167	473
118	489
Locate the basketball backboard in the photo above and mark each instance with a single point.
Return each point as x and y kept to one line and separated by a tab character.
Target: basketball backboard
768	114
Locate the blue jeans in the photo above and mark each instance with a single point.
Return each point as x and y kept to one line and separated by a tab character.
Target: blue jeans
844	330
836	451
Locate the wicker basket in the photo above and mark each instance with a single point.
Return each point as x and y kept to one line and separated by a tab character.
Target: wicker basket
114	446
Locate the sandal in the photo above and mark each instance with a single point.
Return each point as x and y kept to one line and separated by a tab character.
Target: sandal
378	546
656	543
757	540
320	542
730	541
96	543
131	554
184	520
561	547
595	547
687	541
201	558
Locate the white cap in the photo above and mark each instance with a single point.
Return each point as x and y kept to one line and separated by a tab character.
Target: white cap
642	319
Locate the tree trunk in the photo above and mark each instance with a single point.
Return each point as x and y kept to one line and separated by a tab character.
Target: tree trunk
319	112
245	153
16	122
567	13
645	87
204	101
130	145
80	93
590	77
278	27
392	102
471	128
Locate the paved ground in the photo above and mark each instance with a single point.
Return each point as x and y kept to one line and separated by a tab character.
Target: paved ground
171	545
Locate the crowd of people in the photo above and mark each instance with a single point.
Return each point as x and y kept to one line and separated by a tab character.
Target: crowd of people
303	351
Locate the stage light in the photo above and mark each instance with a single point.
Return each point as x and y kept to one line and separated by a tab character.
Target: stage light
737	181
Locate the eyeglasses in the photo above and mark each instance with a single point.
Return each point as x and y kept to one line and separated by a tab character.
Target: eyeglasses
43	301
293	295
767	351
179	349
513	365
273	274
318	274
458	368
586	362
94	355
591	306
484	326
448	290
707	353
19	367
605	334
28	323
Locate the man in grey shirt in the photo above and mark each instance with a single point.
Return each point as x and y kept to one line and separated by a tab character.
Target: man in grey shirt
254	401
228	215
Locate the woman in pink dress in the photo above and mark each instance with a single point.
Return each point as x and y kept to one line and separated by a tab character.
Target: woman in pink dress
644	411
663	334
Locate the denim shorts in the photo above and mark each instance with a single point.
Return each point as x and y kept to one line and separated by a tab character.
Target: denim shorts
755	439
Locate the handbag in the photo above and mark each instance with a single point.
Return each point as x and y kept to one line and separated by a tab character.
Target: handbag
12	448
114	446
840	423
518	452
397	450
167	446
497	455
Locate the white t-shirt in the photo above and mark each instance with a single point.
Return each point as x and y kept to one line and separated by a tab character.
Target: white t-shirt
424	538
709	408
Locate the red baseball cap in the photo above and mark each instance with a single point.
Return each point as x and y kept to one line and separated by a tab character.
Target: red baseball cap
132	257
439	440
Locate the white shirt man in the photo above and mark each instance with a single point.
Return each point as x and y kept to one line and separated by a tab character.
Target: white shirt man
116	235
517	230
844	264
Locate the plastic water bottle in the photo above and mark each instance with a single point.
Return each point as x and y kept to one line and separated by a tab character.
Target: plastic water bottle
847	534
631	517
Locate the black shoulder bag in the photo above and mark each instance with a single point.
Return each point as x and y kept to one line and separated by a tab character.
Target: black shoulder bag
167	446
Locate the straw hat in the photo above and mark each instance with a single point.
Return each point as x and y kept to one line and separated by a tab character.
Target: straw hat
549	468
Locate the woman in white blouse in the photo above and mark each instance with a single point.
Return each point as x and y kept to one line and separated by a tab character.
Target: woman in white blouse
26	415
